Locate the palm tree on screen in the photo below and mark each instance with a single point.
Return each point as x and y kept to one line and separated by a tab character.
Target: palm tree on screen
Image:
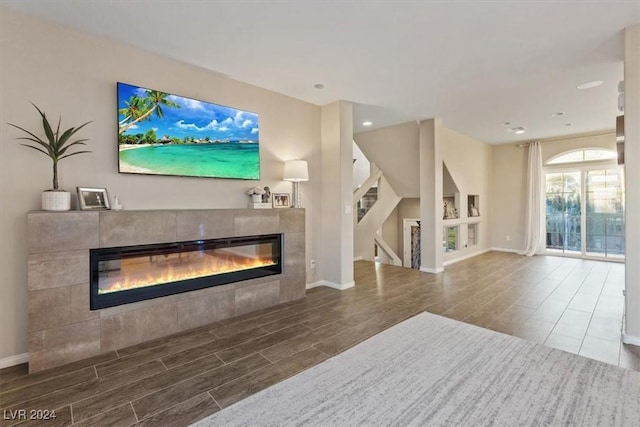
135	108
141	109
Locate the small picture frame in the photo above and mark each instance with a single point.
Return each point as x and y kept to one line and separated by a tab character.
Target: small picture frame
92	198
281	200
475	212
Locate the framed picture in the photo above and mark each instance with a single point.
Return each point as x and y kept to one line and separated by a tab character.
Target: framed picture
92	198
281	200
475	211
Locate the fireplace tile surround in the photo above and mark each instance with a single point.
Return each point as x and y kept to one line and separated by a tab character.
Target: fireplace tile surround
62	329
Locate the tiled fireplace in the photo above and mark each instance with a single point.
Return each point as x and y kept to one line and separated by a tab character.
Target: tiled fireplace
184	268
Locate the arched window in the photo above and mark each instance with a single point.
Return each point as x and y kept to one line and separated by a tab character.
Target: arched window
583	155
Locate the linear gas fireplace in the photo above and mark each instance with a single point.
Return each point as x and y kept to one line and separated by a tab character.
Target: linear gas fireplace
134	273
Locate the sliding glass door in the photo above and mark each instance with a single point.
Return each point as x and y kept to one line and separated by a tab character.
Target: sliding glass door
564	212
604	212
585	212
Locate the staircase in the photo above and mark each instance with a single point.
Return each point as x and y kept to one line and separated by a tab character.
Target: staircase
374	201
366	202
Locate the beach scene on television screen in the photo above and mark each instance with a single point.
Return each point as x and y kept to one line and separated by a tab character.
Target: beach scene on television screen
164	134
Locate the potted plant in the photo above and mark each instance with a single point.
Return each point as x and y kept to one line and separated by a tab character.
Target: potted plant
56	146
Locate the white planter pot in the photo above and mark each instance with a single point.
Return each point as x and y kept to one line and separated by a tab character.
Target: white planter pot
256	198
56	200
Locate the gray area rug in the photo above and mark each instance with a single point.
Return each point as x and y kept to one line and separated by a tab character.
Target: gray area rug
434	371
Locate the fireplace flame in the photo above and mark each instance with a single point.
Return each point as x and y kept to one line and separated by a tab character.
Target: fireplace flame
144	271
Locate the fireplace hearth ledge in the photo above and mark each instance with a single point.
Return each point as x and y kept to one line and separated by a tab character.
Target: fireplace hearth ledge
62	329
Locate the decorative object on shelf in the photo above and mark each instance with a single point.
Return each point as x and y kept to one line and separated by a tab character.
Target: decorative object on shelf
266	197
473	203
450	212
55	146
92	198
281	200
256	194
117	206
296	171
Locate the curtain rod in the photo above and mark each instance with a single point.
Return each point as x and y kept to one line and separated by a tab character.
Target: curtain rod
526	144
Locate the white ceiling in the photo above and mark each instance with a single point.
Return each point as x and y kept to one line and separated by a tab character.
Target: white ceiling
475	64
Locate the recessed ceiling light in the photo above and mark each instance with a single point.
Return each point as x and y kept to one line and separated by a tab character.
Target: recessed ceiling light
589	85
568	124
318	86
367	123
558	114
506	123
519	130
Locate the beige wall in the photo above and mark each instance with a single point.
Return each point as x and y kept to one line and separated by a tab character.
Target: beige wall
390	232
361	167
448	184
394	150
431	139
509	183
74	75
336	222
469	162
508	194
409	208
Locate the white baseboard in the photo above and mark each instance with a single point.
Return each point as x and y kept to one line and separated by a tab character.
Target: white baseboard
515	251
630	339
358	258
14	360
470	255
340	287
432	270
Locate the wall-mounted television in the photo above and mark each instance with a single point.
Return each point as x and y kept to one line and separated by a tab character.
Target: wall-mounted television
164	134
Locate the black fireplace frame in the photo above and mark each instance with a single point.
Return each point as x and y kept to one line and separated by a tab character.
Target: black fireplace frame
113	299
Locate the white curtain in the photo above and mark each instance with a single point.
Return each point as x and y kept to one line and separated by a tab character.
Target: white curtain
534	242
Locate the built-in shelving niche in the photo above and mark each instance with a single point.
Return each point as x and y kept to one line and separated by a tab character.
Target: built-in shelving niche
473	205
450	241
472	234
450	196
461	216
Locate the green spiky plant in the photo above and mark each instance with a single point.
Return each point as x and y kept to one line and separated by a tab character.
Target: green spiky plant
56	144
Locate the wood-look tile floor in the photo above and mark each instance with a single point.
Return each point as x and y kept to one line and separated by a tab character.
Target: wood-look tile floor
574	305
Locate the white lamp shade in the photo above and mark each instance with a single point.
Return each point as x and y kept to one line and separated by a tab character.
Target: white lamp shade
296	170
